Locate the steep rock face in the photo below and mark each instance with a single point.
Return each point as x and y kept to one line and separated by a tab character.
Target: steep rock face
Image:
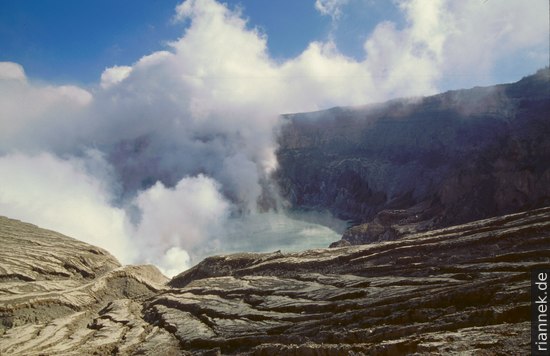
467	155
459	290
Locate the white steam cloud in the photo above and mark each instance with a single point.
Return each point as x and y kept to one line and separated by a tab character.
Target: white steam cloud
179	218
61	195
165	160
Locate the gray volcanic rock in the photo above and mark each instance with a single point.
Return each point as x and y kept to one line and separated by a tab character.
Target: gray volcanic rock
48	255
459	290
455	290
450	158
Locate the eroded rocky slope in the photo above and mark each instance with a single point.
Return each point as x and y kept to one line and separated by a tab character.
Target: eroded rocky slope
459	290
62	296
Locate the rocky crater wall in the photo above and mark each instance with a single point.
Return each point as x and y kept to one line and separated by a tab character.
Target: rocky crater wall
452	158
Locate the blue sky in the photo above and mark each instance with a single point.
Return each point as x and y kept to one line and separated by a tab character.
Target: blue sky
74	41
65	41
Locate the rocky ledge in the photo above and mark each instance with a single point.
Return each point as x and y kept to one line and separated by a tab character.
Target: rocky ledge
458	290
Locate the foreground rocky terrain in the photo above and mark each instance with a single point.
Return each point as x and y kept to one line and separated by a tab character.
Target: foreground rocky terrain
458	290
62	296
437	161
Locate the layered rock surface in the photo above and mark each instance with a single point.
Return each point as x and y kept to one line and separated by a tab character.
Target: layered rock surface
459	290
62	296
456	290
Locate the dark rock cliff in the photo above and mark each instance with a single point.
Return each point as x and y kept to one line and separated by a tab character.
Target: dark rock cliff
428	162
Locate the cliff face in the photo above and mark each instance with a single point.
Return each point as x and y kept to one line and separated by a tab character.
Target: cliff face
459	290
434	161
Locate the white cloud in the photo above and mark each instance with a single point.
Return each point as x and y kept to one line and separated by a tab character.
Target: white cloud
61	195
483	32
12	71
174	261
37	115
332	8
114	75
188	217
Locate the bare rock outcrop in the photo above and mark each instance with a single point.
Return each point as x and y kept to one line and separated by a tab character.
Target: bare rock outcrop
62	296
459	290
